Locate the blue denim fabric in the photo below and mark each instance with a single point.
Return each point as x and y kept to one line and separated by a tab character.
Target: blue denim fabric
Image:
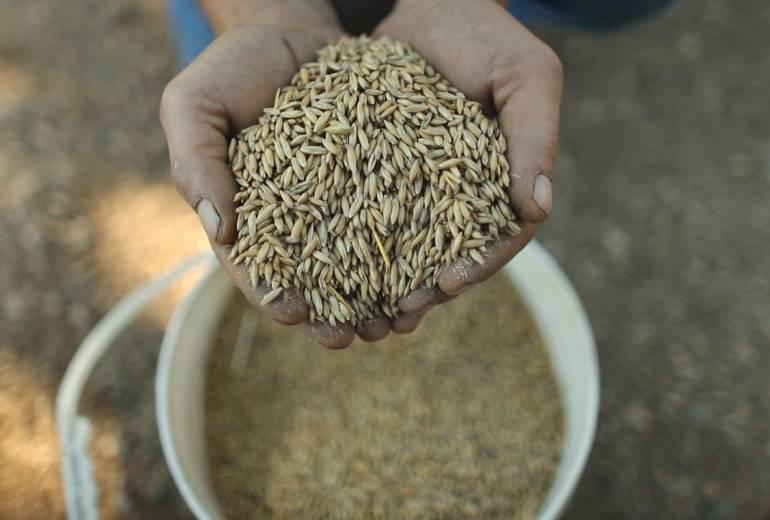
588	14
193	33
190	29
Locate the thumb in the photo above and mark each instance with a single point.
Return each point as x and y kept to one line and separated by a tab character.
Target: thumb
196	129
527	95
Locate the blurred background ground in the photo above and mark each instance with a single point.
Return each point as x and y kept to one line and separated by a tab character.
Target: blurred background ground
661	220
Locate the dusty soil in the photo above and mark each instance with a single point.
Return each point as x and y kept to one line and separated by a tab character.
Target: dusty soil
660	219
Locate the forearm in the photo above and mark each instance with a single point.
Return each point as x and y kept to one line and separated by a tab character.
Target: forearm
224	14
501	3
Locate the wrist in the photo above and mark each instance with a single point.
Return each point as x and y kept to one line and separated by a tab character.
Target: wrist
226	14
423	3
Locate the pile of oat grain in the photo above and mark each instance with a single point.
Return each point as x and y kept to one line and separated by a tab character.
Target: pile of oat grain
368	175
461	419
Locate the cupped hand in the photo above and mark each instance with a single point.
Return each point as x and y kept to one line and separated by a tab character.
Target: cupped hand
483	51
225	90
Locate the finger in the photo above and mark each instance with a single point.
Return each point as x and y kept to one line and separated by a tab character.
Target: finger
464	273
195	130
406	323
528	111
423	299
374	330
288	308
337	337
214	97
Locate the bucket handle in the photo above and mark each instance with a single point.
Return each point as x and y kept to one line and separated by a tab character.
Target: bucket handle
80	488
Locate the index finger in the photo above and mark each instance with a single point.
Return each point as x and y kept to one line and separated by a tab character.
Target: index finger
466	272
288	308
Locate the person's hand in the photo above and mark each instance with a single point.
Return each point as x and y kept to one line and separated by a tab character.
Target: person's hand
488	55
261	46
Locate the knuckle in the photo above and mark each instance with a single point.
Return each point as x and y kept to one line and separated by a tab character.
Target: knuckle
173	100
180	181
174	96
551	64
542	64
537	65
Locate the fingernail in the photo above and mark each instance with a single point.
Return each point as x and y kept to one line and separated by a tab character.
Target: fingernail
542	193
209	217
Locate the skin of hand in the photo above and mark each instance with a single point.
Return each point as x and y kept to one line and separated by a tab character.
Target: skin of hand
483	51
260	46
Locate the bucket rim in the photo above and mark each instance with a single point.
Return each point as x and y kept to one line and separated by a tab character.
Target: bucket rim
533	257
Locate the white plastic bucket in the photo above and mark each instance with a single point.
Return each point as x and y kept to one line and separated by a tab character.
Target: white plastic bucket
543	287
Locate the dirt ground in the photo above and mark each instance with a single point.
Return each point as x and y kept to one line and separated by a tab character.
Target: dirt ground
661	220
